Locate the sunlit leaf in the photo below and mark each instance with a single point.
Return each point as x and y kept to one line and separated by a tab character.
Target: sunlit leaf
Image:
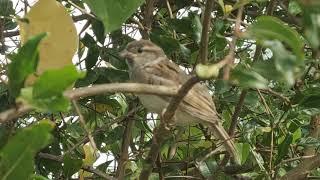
271	28
113	12
248	78
23	63
57	50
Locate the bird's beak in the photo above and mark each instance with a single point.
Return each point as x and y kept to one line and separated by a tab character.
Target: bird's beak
129	56
124	53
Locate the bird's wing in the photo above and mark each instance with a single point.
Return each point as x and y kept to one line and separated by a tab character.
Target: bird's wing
198	102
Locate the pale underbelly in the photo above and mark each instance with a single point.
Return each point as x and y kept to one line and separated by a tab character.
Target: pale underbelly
156	104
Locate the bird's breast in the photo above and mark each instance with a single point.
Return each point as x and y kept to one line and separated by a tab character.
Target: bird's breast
153	103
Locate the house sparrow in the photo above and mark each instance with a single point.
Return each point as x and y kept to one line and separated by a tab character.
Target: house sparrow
148	64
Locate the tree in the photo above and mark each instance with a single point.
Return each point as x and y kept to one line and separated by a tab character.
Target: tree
259	58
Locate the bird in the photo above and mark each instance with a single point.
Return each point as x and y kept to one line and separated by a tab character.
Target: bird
148	64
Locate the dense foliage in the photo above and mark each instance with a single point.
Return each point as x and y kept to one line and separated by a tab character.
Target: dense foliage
268	99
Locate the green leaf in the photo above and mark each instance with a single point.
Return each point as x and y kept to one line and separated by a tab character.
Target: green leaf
183	25
59	79
53	104
98	30
167	43
17	156
294	7
37	177
92	57
46	96
7	10
284	147
244	150
23	63
285	63
271	28
311	24
88	40
247	78
204	170
240	3
110	75
196	27
113	12
310	98
71	165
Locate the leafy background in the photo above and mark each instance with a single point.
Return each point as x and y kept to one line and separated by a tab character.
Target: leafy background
273	92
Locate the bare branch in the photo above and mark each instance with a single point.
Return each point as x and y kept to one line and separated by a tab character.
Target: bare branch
148	18
94	90
88	131
203	52
124	156
236	113
230	57
136	88
14	113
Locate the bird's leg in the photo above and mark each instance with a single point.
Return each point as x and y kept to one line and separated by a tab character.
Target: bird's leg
168	123
173	148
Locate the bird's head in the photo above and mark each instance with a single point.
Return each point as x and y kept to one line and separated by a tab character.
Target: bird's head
141	52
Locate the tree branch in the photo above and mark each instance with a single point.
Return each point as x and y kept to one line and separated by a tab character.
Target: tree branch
78	93
236	113
136	88
203	51
124	156
148	18
88	131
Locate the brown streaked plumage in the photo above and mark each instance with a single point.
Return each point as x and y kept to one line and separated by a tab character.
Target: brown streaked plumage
148	64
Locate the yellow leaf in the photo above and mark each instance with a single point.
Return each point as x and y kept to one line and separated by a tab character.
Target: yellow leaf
101	108
58	48
227	9
89	159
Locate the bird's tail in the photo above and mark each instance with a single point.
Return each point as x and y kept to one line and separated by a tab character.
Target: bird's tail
219	132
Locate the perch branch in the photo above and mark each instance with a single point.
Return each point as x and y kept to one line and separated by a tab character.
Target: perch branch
78	93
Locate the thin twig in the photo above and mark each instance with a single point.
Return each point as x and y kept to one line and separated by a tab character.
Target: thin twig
80	9
203	52
236	113
148	18
232	48
276	94
86	168
266	106
295	159
124	156
171	16
75	19
83	123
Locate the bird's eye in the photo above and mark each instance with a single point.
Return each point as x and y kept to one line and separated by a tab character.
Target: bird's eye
140	50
